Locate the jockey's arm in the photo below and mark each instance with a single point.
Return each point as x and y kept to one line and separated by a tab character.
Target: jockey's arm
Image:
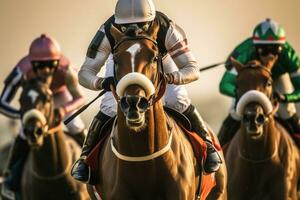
241	53
75	90
292	65
177	46
227	85
11	86
96	57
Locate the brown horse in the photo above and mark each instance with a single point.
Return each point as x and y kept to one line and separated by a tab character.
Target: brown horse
147	155
262	160
46	173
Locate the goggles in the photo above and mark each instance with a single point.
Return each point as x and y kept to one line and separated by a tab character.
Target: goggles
36	65
141	25
265	50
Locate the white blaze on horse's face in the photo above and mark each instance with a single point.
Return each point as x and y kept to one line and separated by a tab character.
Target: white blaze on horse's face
33	95
133	50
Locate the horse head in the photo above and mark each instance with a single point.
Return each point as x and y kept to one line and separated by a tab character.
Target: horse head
36	107
254	94
137	73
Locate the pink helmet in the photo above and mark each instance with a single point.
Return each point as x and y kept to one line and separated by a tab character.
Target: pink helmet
44	48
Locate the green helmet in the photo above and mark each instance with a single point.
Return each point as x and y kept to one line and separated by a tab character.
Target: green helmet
268	32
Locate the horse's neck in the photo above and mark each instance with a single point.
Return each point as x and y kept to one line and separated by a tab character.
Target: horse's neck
52	158
151	139
263	148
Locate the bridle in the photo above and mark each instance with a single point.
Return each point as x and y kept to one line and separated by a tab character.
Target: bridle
159	92
36	113
263	68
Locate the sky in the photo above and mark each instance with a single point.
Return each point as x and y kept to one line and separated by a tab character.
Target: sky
213	28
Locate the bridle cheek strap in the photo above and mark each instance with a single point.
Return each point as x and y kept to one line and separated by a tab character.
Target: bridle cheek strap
161	88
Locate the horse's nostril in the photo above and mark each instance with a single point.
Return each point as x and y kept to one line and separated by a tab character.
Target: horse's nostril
25	131
246	119
143	104
28	130
260	119
124	104
39	131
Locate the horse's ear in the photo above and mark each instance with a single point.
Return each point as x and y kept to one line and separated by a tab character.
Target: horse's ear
117	35
153	30
236	64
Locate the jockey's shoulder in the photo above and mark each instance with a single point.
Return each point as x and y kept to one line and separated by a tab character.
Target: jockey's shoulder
24	64
245	46
64	62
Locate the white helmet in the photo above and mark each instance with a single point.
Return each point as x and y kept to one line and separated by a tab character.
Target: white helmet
134	11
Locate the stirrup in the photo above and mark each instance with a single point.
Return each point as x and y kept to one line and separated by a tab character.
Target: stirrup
7	193
75	165
219	163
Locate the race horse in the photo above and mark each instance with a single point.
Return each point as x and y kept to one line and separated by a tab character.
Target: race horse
46	173
147	156
262	159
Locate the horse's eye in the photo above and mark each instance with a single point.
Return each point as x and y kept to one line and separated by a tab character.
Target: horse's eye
269	83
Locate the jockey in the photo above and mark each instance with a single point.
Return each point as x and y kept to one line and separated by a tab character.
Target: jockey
268	45
46	62
172	43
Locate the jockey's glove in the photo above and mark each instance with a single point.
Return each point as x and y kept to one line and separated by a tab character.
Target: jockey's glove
107	82
279	97
59	114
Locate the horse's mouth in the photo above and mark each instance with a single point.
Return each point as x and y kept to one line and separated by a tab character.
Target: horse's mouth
136	122
254	131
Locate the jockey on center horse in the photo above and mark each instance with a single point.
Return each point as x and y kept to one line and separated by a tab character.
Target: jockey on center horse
172	45
46	62
269	46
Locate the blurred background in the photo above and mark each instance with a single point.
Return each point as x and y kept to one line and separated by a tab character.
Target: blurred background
213	27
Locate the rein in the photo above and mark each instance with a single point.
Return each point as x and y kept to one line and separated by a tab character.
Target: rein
54	129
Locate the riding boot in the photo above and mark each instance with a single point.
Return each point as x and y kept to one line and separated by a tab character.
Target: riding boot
81	171
294	123
79	137
213	159
16	163
293	127
229	127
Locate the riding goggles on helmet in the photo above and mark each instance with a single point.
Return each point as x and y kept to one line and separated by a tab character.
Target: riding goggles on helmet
45	64
266	49
144	26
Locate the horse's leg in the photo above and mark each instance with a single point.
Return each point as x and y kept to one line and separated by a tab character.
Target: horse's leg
220	190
